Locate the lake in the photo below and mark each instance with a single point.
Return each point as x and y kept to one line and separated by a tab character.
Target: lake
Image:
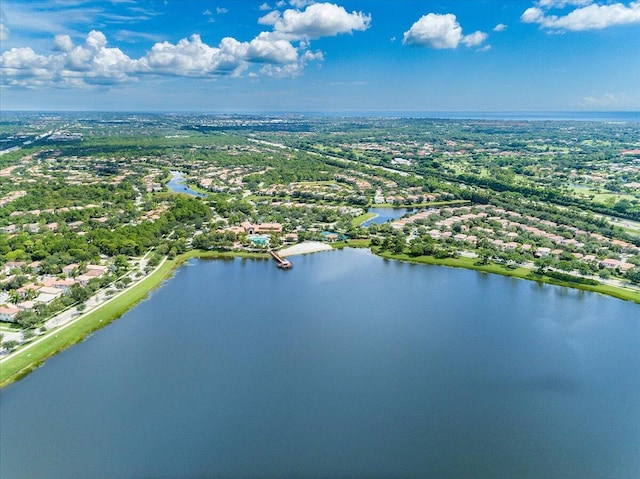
345	366
386	214
177	184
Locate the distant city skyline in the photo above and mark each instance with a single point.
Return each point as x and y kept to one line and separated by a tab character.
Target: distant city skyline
300	55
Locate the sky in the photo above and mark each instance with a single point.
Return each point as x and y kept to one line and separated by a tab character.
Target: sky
314	56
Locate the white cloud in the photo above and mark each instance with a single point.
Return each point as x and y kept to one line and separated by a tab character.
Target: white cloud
532	15
62	43
319	20
207	13
500	27
440	31
92	63
590	17
269	53
192	57
265	49
264	7
474	39
270	18
222	10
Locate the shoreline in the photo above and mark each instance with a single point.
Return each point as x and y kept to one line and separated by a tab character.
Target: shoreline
305	247
617	292
18	364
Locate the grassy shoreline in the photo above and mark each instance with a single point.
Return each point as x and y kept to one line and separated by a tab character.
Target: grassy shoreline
28	358
34	354
520	273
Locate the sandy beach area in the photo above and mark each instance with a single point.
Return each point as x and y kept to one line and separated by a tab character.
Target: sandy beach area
304	248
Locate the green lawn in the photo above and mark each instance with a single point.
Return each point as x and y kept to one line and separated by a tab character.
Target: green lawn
358	220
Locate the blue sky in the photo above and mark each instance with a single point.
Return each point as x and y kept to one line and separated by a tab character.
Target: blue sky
300	55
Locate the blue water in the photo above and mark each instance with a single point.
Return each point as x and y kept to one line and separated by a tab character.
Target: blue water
384	215
345	366
177	185
596	116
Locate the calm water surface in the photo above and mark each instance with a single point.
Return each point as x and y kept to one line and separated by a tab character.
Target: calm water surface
177	184
386	214
345	366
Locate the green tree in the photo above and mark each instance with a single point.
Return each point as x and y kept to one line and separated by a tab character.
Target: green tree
10	345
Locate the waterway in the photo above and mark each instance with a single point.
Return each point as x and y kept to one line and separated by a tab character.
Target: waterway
345	366
386	214
177	184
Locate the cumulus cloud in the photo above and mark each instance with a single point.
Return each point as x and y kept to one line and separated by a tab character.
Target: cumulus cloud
474	39
62	43
192	57
269	53
440	31
500	27
91	63
318	20
589	17
270	18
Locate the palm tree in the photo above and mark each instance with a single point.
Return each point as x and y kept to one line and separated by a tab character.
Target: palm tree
14	297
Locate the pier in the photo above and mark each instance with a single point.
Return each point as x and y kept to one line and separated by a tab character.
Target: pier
280	261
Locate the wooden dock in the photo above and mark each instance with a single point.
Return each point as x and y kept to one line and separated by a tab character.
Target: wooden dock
280	261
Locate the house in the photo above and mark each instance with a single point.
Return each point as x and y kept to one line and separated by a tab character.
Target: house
47	294
68	270
542	252
610	263
264	228
63	284
23	290
96	270
11	265
8	313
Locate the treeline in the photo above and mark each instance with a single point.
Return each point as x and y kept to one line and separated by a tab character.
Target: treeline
56	194
56	250
568	278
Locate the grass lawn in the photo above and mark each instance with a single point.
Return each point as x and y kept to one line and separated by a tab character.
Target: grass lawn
351	243
358	220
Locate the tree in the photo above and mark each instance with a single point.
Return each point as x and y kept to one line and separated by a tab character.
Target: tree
633	275
78	293
10	345
28	334
27	319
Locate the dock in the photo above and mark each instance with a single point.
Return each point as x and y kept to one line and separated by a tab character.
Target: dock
280	261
